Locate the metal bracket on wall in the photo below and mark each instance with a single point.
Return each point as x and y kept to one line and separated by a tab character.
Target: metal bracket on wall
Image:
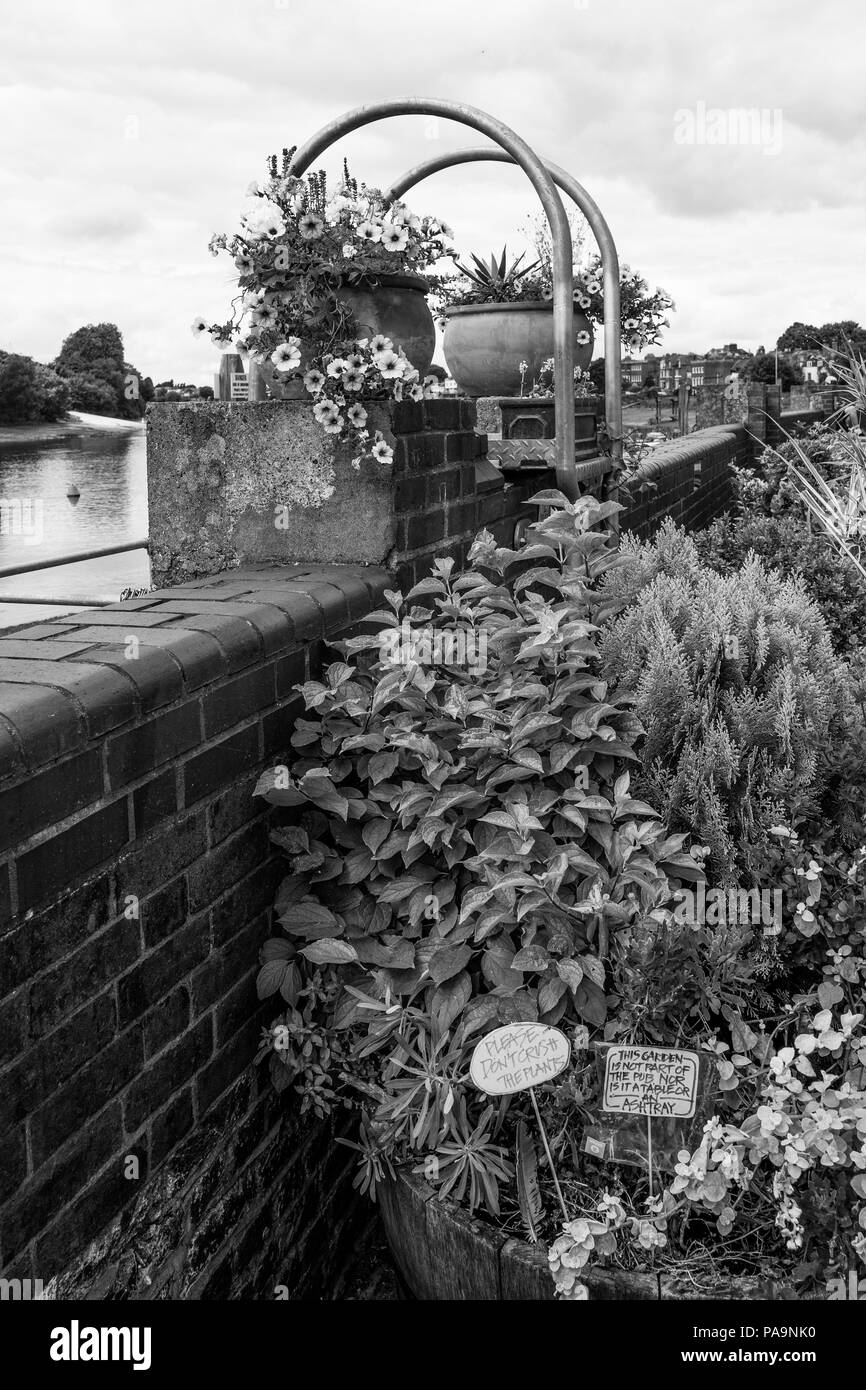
534	455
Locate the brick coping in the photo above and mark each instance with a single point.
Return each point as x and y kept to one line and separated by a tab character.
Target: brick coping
68	681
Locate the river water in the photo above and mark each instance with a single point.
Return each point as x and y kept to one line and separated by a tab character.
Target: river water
40	520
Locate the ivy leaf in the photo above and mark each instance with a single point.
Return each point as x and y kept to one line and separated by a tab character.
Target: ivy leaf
550	993
309	919
593	968
571	972
531	958
448	961
271	786
381	765
449	1000
330	952
590	1003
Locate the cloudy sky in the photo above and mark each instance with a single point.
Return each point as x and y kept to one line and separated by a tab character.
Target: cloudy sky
128	134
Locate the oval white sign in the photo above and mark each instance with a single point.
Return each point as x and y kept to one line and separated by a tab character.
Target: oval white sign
518	1056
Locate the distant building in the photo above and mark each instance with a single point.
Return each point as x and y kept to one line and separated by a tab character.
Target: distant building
637	374
710	370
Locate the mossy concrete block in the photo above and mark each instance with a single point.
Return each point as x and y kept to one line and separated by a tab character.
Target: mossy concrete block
240	482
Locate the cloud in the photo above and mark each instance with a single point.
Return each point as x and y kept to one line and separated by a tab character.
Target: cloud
137	130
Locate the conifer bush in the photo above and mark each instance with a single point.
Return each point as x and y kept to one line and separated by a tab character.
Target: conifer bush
738	690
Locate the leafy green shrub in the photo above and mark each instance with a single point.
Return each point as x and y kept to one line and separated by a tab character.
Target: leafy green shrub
466	846
786	544
737	688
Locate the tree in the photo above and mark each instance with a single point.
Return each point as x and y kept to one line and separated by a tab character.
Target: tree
798	336
838	335
763	369
29	391
596	374
93	355
92	395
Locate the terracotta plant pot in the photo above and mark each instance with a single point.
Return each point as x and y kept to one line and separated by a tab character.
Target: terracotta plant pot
485	344
397	307
444	1254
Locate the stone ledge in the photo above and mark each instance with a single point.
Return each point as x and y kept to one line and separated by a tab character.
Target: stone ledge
65	683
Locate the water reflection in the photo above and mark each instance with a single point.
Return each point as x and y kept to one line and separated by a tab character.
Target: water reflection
41	520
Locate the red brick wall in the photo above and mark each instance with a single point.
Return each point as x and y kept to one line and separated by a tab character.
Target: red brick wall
137	879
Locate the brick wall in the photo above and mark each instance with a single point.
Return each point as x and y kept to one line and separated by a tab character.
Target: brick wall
139	1152
445	489
690	478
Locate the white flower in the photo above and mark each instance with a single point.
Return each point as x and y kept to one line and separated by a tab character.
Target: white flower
198	326
353	378
389	364
219	340
243	263
286	357
582	338
314	381
253	189
337	367
334	425
263	219
416	393
357	416
335	208
349	250
382	452
368	231
593	286
264	316
310	226
394	238
379	344
325	412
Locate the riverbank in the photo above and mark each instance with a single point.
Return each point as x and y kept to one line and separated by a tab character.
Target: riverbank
77	423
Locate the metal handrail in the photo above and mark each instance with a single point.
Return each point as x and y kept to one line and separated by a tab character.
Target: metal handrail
606	246
6	571
521	153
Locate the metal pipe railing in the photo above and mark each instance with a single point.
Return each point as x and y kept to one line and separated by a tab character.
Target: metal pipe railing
609	260
6	571
521	153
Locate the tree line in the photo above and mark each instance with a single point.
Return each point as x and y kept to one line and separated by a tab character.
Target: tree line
90	373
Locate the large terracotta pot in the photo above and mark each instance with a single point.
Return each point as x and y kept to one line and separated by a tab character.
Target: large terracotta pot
485	344
444	1254
396	306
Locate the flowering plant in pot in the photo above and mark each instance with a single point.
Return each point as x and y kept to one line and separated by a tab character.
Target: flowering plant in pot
331	297
498	315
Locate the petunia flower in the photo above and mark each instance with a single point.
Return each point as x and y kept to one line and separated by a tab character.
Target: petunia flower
357	416
382	452
198	326
353	379
394	238
389	364
310	226
314	380
380	343
286	357
368	231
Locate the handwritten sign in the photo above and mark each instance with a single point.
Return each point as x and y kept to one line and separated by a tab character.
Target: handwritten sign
652	1081
518	1056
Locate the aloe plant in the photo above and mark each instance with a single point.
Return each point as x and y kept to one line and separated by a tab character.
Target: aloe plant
497	279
